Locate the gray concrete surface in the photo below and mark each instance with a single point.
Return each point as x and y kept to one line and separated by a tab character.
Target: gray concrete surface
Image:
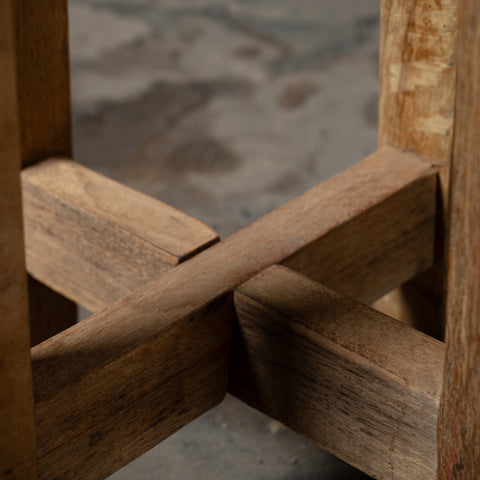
225	109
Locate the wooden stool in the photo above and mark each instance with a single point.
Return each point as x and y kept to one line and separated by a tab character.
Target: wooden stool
272	314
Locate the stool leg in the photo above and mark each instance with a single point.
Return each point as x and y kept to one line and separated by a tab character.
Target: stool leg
43	87
459	415
17	434
417	94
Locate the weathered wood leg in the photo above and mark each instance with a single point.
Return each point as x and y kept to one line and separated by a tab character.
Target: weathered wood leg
459	418
17	436
43	86
417	93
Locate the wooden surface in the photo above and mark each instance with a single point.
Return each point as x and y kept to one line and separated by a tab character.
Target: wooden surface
380	247
43	79
87	361
17	437
102	400
417	94
108	239
43	88
418	75
354	233
459	419
359	384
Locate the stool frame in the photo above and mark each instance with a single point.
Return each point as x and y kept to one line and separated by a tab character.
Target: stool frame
275	314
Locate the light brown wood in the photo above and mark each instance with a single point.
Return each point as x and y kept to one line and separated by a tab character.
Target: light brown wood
459	419
108	239
384	245
127	341
101	400
17	436
417	75
43	88
356	382
416	113
354	233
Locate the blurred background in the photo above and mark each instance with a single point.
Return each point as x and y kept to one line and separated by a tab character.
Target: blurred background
226	109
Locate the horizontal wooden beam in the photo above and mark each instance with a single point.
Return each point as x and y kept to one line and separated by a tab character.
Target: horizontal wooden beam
134	348
356	382
362	232
95	240
376	242
104	397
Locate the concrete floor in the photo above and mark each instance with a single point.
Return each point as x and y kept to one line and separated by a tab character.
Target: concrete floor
225	109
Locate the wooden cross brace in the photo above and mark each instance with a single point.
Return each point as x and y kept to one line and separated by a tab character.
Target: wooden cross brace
154	360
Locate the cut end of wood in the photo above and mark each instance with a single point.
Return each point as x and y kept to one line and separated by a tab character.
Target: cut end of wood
108	239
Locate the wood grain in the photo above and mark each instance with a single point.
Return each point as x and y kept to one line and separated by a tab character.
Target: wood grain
459	419
382	247
17	436
108	239
416	113
43	89
43	76
87	361
103	400
356	382
417	75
